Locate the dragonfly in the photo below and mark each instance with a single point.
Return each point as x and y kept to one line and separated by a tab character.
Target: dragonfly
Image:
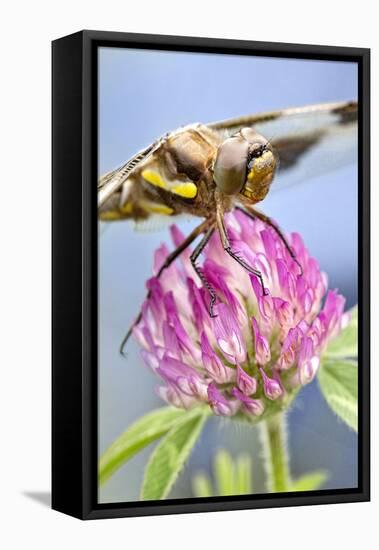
207	170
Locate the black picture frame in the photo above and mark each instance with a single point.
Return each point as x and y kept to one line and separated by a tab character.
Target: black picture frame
74	272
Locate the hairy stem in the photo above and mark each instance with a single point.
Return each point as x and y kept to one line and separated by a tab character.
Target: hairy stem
274	440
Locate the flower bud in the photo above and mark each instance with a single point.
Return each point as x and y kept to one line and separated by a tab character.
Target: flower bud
271	387
247	384
307	371
228	335
262	348
252	406
219	404
213	364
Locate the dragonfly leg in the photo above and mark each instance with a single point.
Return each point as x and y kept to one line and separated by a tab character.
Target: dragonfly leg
203	227
194	256
227	247
253	213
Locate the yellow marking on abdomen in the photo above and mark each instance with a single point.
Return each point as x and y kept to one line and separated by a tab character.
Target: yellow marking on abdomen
109	216
126	208
154	178
186	190
155	208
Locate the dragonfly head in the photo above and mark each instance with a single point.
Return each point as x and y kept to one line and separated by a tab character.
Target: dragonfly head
245	164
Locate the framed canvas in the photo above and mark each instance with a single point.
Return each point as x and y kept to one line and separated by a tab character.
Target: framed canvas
210	275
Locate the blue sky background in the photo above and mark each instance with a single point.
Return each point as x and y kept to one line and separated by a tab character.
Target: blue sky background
144	94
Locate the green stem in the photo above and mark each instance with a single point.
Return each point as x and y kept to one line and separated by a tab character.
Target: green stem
274	439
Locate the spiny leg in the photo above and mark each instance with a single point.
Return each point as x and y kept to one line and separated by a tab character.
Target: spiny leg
253	213
204	226
228	249
194	256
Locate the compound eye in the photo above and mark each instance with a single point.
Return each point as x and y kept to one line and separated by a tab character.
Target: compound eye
229	171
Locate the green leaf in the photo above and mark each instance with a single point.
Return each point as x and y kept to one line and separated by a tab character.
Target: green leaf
224	473
339	385
169	456
233	477
201	486
243	484
144	431
309	482
346	343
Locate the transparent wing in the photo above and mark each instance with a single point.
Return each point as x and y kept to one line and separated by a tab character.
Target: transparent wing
310	141
153	223
301	160
112	181
157	222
